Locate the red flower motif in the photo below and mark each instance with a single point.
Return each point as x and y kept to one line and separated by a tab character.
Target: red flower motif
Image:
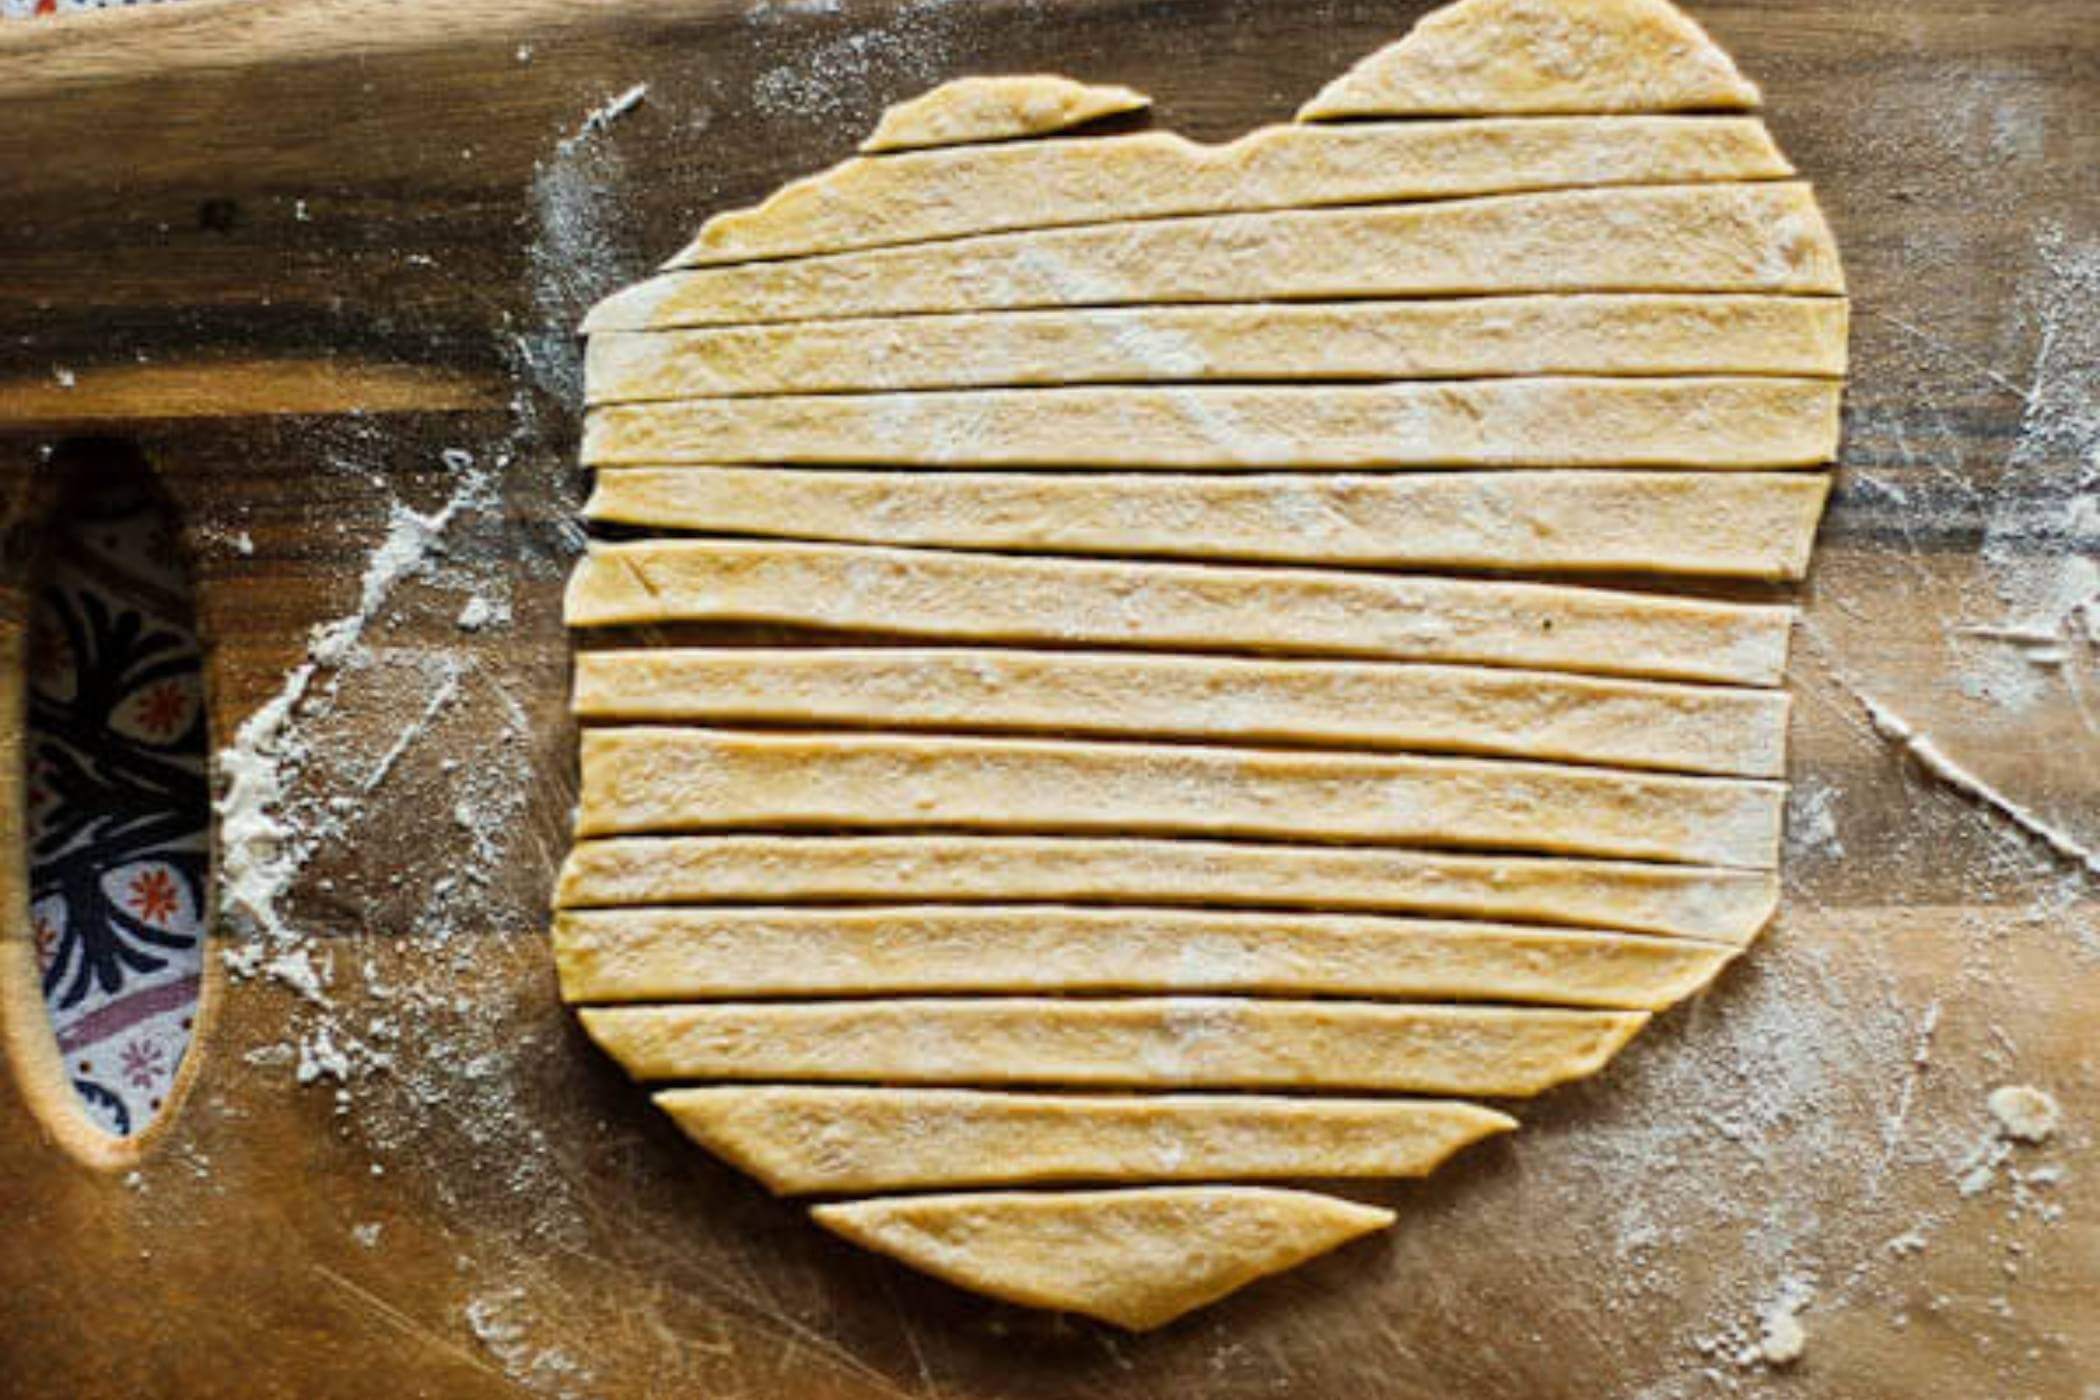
154	897
143	1062
164	707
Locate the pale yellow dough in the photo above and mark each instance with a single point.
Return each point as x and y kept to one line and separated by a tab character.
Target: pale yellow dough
1720	905
927	593
1549	422
1479	56
998	109
928	195
806	1138
1765	237
1146	1042
1485	710
1452	338
664	780
688	954
1743	525
1137	1259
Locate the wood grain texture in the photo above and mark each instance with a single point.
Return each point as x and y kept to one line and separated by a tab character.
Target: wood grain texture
448	245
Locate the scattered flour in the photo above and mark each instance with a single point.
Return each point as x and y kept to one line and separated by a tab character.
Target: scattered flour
2024	1113
1781	1337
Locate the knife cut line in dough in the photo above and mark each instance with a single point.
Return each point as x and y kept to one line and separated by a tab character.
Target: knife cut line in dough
648	955
800	1139
1541	56
1479	710
1135	1258
1763	237
1691	421
997	108
1711	903
1190	607
654	779
1143	1042
1452	338
926	196
1726	524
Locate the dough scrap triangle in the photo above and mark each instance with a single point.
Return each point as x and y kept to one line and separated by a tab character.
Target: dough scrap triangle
1138	1259
970	110
1480	57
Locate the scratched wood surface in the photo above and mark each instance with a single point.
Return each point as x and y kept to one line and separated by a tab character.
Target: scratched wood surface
296	251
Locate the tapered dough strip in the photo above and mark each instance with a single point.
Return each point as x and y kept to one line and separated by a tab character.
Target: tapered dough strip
1555	422
1454	338
1141	1042
667	780
927	195
927	593
1137	1258
798	1139
1764	237
1741	525
997	108
626	955
1541	56
1719	905
1454	709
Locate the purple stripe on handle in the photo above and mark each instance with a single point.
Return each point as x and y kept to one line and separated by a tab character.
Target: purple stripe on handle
126	1012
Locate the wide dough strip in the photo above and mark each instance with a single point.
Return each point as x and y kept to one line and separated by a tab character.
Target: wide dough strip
630	955
674	779
1716	904
1190	607
1134	1258
1483	710
1453	338
924	196
808	1138
1743	525
1767	237
1142	1042
1688	421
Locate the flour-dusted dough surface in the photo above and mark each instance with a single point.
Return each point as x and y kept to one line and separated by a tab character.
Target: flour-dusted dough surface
1719	905
1485	710
807	1138
1143	1042
1763	237
1449	338
687	954
657	779
998	108
926	593
1565	421
1137	1259
1744	525
920	196
1541	56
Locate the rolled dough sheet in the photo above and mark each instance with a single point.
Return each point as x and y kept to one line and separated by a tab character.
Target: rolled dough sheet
1553	422
1541	56
1457	338
685	954
1719	905
1762	237
1743	525
657	779
1044	184
806	1138
927	593
1484	710
1151	175
998	108
1137	1259
1147	1042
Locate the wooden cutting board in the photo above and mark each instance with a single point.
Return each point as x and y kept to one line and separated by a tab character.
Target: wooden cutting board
320	262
